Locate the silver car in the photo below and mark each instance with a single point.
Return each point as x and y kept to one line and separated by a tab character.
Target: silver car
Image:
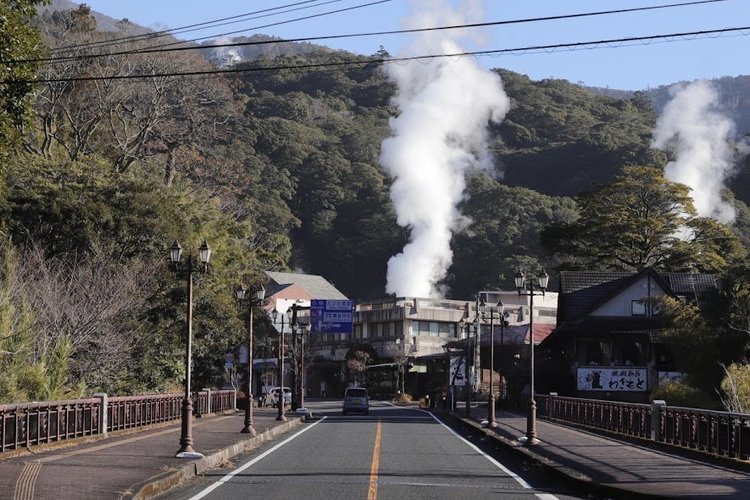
356	399
274	396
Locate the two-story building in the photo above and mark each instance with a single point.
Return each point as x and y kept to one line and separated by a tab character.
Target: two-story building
611	333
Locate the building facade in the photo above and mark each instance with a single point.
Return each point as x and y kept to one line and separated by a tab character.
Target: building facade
610	331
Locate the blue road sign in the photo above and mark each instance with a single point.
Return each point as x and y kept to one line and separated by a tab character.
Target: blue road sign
331	316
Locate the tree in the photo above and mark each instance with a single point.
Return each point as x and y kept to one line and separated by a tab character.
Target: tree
642	220
88	313
20	50
357	358
712	333
401	354
735	388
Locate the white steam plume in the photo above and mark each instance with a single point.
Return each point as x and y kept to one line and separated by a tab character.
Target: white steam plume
226	56
694	129
444	107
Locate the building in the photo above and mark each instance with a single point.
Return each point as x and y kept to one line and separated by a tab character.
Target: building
289	295
610	332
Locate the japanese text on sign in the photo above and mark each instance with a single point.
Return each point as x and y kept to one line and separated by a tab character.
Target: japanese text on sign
612	379
331	316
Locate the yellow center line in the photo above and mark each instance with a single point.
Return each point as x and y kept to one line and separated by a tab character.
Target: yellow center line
372	491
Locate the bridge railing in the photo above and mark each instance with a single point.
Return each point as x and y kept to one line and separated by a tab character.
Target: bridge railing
27	425
717	433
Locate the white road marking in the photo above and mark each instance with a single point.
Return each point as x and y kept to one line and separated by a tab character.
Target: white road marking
516	477
255	460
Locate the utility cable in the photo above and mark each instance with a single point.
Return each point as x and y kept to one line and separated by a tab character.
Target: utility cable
198	47
202	25
168	47
590	45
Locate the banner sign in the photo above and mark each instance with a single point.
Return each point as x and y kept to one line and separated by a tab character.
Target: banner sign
626	378
331	316
457	371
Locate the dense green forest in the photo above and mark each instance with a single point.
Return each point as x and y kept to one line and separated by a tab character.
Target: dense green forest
277	168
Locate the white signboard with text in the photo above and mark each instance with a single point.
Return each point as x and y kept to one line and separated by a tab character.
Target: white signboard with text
612	378
457	371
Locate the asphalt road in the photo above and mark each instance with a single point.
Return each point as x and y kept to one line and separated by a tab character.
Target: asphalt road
394	453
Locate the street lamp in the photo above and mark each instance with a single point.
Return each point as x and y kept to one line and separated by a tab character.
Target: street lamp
281	416
257	299
491	422
304	329
526	288
204	255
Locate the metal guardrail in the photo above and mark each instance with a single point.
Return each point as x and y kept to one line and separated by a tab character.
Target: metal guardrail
717	433
29	424
721	434
631	419
32	424
128	412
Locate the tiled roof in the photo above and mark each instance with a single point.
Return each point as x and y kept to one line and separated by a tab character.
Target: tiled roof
691	284
582	291
316	286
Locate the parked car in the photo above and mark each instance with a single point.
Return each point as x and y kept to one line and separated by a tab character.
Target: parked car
356	399
273	398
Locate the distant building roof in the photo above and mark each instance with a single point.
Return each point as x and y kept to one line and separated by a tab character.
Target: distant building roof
316	286
582	291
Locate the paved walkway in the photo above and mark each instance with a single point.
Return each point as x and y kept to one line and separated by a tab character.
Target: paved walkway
136	465
618	467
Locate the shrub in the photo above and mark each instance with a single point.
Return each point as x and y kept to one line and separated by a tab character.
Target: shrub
403	398
682	394
735	388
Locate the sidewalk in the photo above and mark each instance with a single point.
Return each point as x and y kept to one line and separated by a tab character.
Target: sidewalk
618	467
136	465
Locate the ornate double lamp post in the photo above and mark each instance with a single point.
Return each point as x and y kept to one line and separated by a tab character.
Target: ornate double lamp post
526	288
187	269
254	300
281	416
491	422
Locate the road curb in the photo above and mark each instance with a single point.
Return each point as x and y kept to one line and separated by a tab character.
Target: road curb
552	465
165	482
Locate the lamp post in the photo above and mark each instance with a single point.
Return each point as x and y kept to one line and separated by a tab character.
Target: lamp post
304	329
257	299
204	255
280	402
491	422
526	288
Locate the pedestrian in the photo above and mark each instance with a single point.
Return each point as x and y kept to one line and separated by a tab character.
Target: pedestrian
322	388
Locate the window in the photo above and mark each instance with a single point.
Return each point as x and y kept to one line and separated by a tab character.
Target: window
594	352
627	352
446	330
398	330
638	308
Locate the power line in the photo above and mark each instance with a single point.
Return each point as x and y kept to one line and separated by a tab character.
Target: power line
181	42
170	48
197	26
590	45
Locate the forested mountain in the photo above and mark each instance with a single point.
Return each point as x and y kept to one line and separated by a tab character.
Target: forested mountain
299	153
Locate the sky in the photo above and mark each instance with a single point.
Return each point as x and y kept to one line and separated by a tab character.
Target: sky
633	67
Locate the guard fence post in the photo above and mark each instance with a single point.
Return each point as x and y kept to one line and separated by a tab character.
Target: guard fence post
657	408
103	412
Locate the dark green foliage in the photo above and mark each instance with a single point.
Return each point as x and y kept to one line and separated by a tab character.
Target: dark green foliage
503	235
685	395
559	138
642	220
18	42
